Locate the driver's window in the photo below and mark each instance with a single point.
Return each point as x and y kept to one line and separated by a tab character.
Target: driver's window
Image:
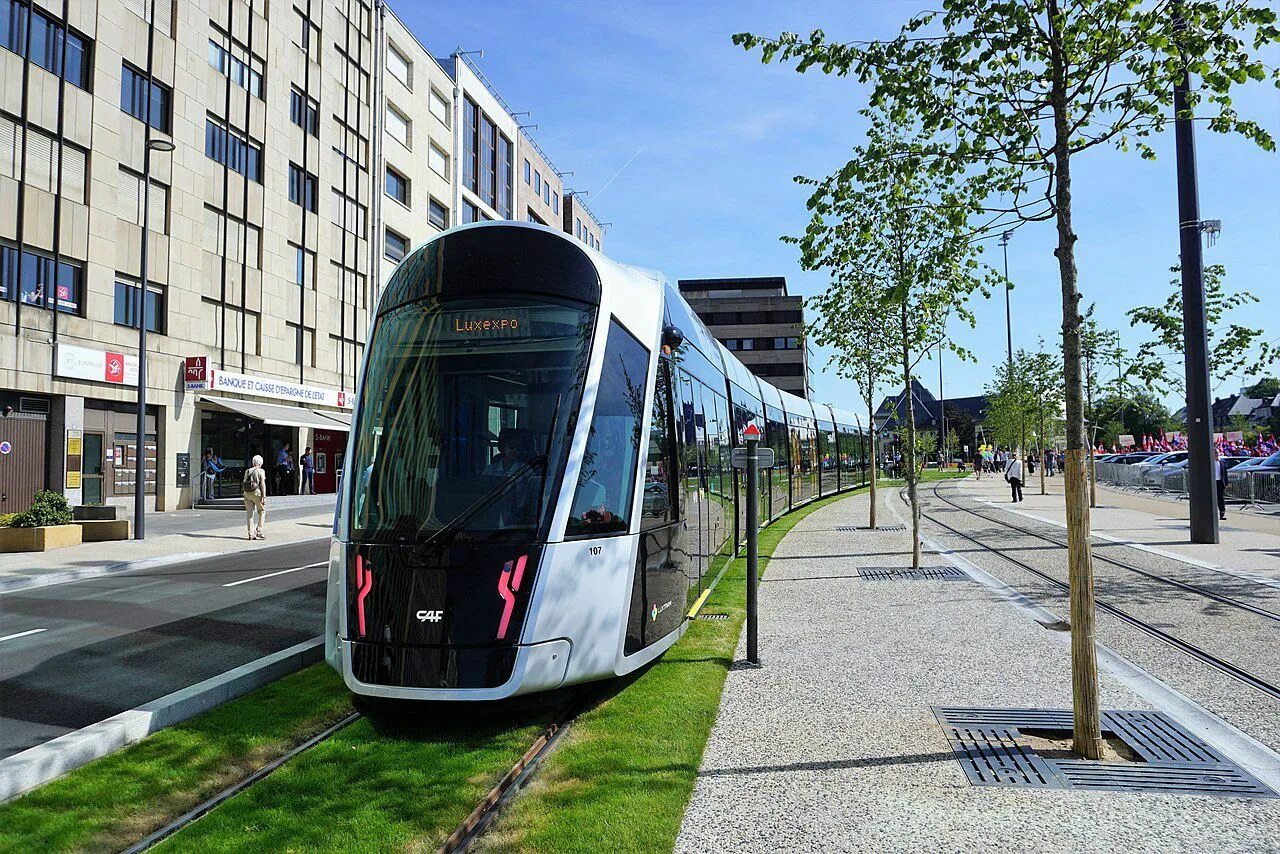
602	502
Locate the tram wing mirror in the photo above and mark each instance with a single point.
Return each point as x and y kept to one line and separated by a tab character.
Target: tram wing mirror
672	338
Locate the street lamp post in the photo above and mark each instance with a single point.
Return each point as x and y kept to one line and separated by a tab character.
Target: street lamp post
1008	313
140	452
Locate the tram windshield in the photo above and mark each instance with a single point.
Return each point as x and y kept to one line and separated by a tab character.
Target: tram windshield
464	417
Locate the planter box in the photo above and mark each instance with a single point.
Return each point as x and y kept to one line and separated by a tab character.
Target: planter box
96	512
39	539
100	530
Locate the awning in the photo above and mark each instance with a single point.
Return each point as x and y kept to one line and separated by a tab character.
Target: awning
273	413
343	418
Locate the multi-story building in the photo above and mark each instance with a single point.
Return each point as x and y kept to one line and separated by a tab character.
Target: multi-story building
760	322
581	222
539	188
295	151
417	143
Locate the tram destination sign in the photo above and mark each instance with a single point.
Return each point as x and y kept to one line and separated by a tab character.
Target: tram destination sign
740	457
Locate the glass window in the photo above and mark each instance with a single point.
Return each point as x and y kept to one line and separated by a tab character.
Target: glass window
470	145
395	246
13	26
137	96
233	150
470	213
397	186
606	481
463	402
399	66
505	155
126	305
537	183
437	215
659	472
439	107
30	277
488	184
555	202
302	187
399	127
527	169
304	112
438	160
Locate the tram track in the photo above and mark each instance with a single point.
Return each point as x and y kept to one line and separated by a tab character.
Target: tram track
1191	649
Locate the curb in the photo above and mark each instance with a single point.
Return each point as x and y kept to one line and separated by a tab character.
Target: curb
26	582
38	765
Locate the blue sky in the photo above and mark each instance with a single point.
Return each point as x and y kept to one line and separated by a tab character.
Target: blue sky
720	136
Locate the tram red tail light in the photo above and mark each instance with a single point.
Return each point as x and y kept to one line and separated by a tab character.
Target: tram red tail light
508	586
364	583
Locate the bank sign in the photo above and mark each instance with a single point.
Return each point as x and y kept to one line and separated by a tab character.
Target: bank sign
228	381
101	366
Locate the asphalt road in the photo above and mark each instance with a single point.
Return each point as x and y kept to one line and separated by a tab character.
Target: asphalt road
73	654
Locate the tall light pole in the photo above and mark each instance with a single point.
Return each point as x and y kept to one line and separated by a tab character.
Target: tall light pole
1201	481
140	454
1008	313
942	412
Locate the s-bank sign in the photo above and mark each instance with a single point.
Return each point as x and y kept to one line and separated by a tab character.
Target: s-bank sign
228	381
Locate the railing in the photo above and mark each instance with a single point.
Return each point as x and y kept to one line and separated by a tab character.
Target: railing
1258	490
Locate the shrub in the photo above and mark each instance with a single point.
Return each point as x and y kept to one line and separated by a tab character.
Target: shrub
48	508
6	519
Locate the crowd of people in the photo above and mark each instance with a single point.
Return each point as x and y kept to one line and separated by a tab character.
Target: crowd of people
1261	446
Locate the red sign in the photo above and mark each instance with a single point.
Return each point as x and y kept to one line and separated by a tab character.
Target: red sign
751	432
195	368
114	368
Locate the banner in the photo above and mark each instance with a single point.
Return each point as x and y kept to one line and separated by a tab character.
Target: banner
1126	441
228	381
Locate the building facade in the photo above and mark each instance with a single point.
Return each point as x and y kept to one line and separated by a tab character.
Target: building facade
294	151
581	222
539	187
760	322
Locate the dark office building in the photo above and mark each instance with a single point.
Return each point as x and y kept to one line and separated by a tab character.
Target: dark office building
756	319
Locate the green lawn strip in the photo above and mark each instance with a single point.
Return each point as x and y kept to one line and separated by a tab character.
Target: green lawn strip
114	801
379	784
620	779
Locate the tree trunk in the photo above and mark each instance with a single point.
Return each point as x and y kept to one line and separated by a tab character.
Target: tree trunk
1043	491
1087	735
871	451
912	473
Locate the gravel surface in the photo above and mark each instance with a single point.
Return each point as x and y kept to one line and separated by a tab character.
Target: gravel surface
833	746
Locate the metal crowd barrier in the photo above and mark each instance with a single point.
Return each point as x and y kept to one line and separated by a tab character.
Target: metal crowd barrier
1252	489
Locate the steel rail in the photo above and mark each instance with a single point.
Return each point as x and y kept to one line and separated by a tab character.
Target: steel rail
1189	649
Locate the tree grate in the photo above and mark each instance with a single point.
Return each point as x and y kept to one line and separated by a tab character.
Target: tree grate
713	616
933	573
1173	761
848	529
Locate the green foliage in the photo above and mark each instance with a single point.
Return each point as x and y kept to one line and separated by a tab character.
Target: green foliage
1234	349
47	508
926	447
6	519
1024	404
1136	412
1266	389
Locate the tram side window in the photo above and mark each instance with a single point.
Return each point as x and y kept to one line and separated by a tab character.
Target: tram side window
659	496
606	480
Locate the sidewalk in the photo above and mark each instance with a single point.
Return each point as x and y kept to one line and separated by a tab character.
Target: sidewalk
1250	543
172	538
833	745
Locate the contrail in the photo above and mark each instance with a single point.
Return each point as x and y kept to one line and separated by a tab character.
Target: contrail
600	192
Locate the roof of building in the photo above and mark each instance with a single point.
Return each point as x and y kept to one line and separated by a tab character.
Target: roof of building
927	409
745	283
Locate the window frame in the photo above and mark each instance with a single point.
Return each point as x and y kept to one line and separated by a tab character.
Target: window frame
388	235
404	197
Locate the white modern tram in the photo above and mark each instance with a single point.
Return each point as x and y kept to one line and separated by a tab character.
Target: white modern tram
537	489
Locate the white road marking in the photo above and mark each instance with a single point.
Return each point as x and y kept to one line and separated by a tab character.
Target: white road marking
22	634
272	574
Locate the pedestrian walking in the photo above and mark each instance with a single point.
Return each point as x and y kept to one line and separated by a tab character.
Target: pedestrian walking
1048	463
1013	474
284	470
254	489
1220	467
308	473
210	468
977	464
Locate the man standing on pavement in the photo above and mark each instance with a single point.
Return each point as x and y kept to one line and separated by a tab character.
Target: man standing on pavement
308	473
210	466
1013	474
1220	467
284	470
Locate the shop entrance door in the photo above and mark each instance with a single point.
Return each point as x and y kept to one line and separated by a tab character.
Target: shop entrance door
328	451
92	481
22	444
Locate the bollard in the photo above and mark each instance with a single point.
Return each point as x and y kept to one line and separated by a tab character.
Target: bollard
753	536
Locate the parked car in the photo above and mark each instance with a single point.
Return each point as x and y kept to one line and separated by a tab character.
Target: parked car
1153	467
1163	474
1132	457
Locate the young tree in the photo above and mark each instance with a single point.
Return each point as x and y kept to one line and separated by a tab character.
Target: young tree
848	317
1009	404
1022	88
1044	392
1096	344
895	232
1234	349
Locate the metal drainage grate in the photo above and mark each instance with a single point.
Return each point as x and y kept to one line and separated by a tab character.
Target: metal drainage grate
937	573
1174	761
847	529
713	616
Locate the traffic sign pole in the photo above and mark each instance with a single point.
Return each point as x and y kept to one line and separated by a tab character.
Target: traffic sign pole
752	435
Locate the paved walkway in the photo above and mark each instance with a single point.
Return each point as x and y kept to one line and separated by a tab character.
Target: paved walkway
833	746
1250	542
172	538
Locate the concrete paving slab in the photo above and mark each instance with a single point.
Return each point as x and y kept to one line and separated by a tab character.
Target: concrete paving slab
832	744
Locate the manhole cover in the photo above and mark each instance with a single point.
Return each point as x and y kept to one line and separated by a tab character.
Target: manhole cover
934	573
713	616
1173	760
846	529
